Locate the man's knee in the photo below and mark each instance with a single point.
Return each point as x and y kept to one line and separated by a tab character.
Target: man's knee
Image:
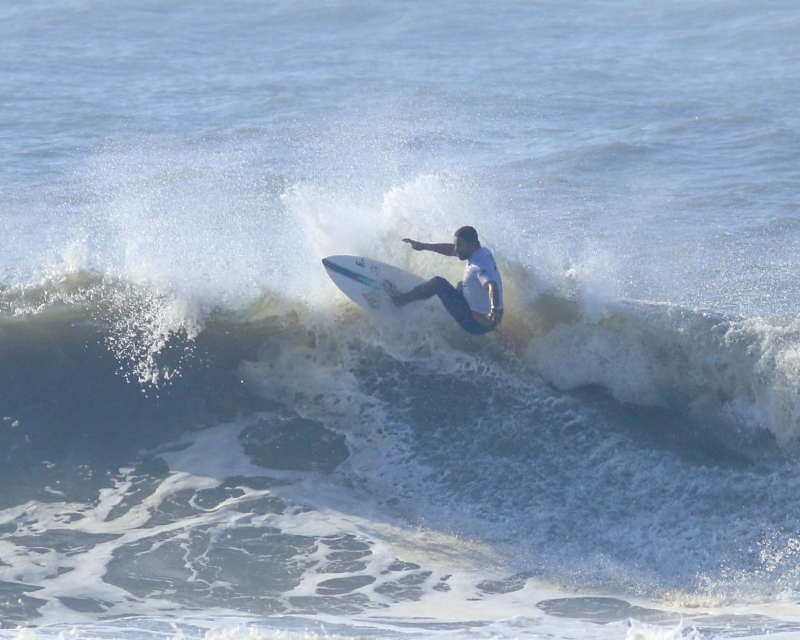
440	285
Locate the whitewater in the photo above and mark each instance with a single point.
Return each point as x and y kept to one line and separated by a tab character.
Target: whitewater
202	438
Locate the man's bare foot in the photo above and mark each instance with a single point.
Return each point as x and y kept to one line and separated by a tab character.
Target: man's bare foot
394	295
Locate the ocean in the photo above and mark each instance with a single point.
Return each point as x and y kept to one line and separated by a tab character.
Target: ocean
201	438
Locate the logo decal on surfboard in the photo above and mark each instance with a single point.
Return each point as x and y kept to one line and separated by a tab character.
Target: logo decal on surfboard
373	298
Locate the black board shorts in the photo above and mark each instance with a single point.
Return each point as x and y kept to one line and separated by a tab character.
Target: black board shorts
453	300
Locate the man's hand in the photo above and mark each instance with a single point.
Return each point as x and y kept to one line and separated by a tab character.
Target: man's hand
416	246
444	248
495	315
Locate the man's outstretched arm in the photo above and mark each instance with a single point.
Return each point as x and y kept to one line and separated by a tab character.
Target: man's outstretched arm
445	248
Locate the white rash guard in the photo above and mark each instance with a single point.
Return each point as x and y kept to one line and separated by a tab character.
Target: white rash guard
481	268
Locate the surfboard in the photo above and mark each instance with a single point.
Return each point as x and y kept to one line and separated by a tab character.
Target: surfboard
365	282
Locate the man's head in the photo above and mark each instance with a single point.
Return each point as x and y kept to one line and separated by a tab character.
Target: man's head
465	241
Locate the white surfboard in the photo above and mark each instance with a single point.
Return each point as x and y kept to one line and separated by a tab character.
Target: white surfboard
365	282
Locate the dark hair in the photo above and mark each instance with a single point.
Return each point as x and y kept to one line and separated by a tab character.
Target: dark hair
467	234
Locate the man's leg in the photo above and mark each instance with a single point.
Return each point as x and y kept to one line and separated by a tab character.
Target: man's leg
453	300
420	292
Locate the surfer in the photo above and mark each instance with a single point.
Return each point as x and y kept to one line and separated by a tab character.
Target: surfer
476	303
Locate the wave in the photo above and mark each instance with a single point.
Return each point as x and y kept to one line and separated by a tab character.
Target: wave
580	415
733	374
737	376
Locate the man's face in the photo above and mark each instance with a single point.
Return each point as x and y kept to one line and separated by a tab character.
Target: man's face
463	248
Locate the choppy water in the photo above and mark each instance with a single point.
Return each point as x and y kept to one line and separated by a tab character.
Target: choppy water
202	438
